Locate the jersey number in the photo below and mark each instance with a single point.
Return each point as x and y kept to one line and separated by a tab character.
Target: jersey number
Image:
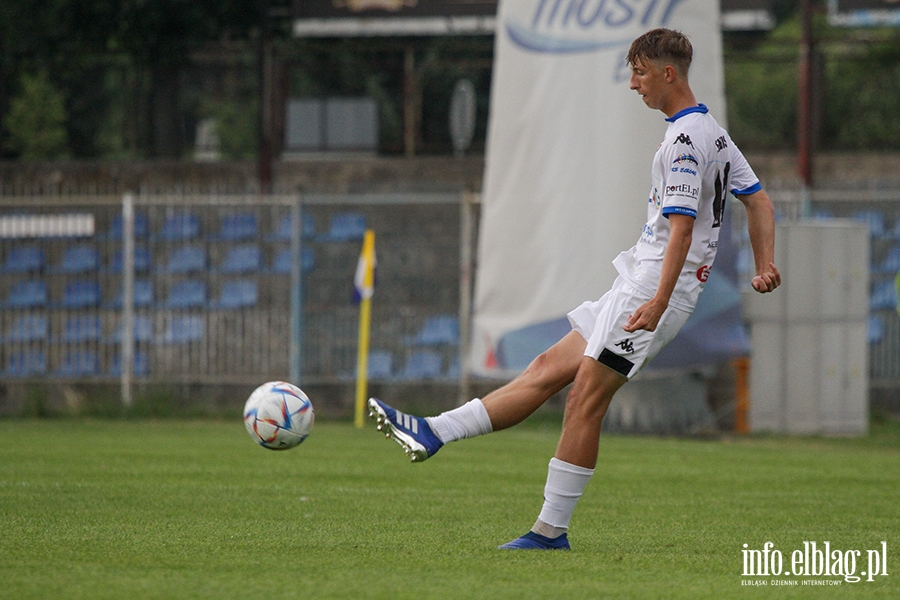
721	195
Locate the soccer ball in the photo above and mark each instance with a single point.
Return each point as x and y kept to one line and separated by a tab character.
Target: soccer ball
278	415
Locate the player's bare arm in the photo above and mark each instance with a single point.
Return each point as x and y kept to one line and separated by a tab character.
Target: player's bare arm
761	227
647	316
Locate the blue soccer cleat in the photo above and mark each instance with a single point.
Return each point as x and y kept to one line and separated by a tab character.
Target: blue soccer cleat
413	433
534	541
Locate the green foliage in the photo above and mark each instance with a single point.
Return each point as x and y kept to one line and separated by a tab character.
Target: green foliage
73	40
36	120
237	126
762	104
861	100
857	83
193	509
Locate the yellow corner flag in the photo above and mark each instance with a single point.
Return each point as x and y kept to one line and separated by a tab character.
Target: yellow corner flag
364	284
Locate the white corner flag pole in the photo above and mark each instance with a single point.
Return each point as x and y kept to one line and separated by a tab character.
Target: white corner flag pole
365	287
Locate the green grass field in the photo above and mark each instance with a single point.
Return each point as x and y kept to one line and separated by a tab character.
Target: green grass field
171	509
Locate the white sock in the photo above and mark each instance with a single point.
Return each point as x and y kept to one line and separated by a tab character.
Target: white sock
548	531
565	484
469	420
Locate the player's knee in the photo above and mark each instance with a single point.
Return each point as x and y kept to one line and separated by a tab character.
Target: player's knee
543	372
587	408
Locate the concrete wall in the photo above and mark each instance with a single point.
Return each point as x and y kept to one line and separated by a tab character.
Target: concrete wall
337	173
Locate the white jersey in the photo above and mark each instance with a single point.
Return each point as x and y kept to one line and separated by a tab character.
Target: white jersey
695	167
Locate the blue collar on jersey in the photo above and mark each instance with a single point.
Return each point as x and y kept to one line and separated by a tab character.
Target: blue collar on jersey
700	108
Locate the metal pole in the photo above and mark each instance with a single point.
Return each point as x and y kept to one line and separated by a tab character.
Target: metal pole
465	294
296	346
410	102
126	352
804	108
265	98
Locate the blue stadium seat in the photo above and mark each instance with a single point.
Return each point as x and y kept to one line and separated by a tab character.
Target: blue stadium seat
422	364
238	227
872	218
184	329
240	293
142	260
81	293
82	258
282	232
246	258
79	363
346	227
26	363
884	296
381	364
180	227
141	227
140	367
876	329
143	330
80	328
186	259
143	294
23	259
281	264
190	293
890	264
31	293
454	369
28	328
441	329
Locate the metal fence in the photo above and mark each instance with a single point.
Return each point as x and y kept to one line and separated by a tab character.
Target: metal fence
242	289
235	289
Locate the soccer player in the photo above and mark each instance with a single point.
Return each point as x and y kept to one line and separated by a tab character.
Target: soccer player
660	279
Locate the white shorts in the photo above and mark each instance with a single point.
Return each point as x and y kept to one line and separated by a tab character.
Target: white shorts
600	323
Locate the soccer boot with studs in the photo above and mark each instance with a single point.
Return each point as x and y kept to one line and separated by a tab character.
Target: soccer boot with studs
414	434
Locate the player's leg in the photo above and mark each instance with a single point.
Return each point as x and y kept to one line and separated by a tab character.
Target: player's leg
611	356
586	405
506	406
547	374
572	466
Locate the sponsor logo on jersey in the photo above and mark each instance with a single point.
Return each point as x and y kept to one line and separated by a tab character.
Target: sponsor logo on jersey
703	273
684	138
684	170
721	143
682	189
682	158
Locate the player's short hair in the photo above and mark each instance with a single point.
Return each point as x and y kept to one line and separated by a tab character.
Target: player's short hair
661	44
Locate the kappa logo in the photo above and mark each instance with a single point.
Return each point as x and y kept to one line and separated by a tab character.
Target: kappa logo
683	138
626	346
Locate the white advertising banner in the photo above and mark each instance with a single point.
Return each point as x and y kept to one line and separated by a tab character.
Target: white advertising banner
568	160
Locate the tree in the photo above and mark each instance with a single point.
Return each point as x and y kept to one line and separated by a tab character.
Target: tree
37	119
75	39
